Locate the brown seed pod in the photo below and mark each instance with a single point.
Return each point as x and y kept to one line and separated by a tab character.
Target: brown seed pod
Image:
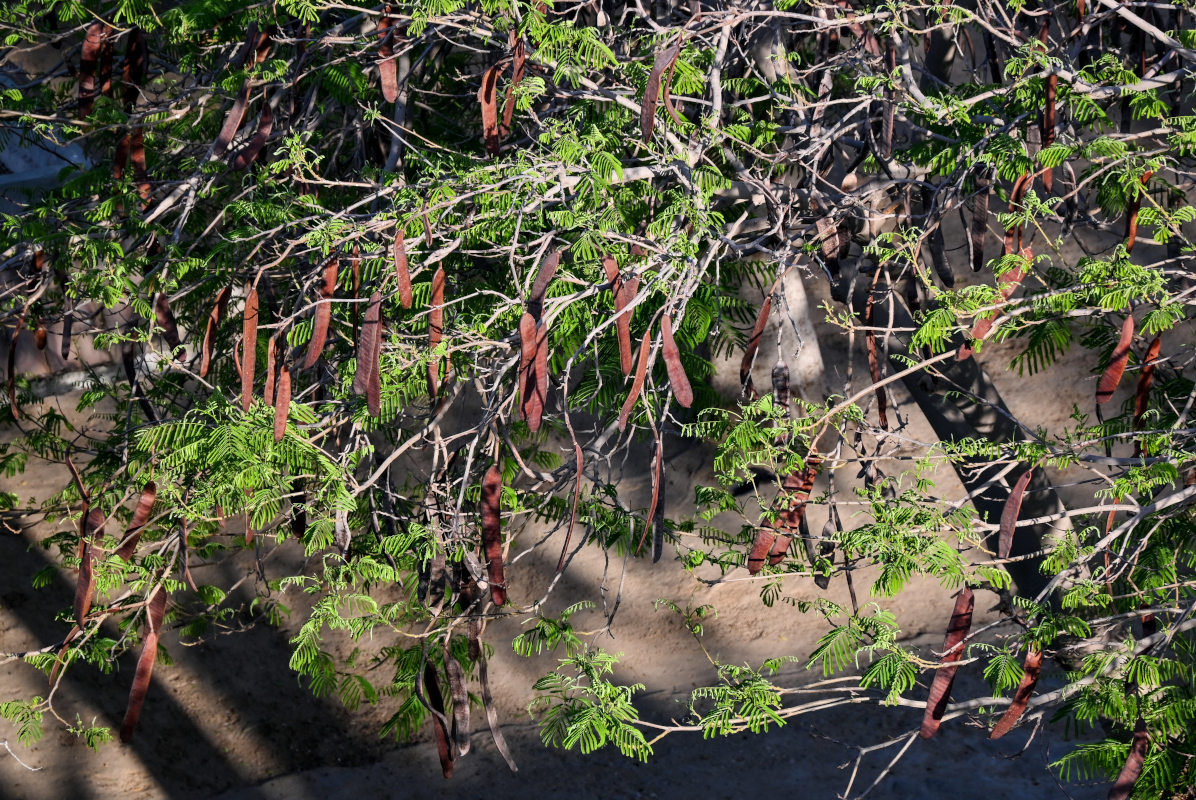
387	71
402	268
209	335
1117	362
39	336
248	348
519	57
527	351
1139	746
141	515
140	171
749	353
890	107
89	61
611	267
155	610
1013	507
369	343
979	223
1145	378
268	391
657	486
544	277
534	377
460	698
265	126
637	383
93	531
780	546
664	60
232	122
492	533
1133	205
541	368
672	361
1007	283
1031	669
765	538
435	329
319	332
944	676
1048	125
486	96
282	407
435	699
623	297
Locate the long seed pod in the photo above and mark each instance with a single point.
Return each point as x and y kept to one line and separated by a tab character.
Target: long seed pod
265	126
1031	669
319	331
979	222
89	61
766	536
541	369
369	344
882	402
155	610
519	58
141	515
527	359
944	676
402	268
1013	507
637	383
749	353
672	361
1007	283
492	533
657	481
460	698
664	60
140	172
209	335
489	103
1133	205
271	370
387	71
93	530
248	348
623	297
440	732
232	122
500	742
435	329
544	277
1121	357
1124	785
282	405
1145	379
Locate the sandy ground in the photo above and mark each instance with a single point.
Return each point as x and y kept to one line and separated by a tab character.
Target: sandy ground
229	719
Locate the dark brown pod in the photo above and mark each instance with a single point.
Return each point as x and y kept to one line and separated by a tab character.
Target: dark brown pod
1031	668
874	357
155	610
672	361
637	383
444	747
271	371
89	61
209	335
319	332
93	531
623	297
664	60
1048	125
1139	746
1013	507
489	103
765	538
544	277
541	368
368	345
435	329
282	405
387	70
1145	379
749	353
232	122
402	268
460	698
944	676
519	57
248	348
492	533
1117	362
1133	206
141	515
265	126
39	336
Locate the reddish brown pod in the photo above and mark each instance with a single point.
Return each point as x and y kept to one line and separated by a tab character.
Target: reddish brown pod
1013	507
319	332
749	353
248	348
492	533
209	336
387	70
1139	747
155	610
402	268
489	102
665	60
282	404
623	297
435	330
637	383
761	548
1117	362
672	360
944	676
141	515
1031	669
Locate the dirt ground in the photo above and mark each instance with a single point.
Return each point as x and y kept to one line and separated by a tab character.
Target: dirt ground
229	719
